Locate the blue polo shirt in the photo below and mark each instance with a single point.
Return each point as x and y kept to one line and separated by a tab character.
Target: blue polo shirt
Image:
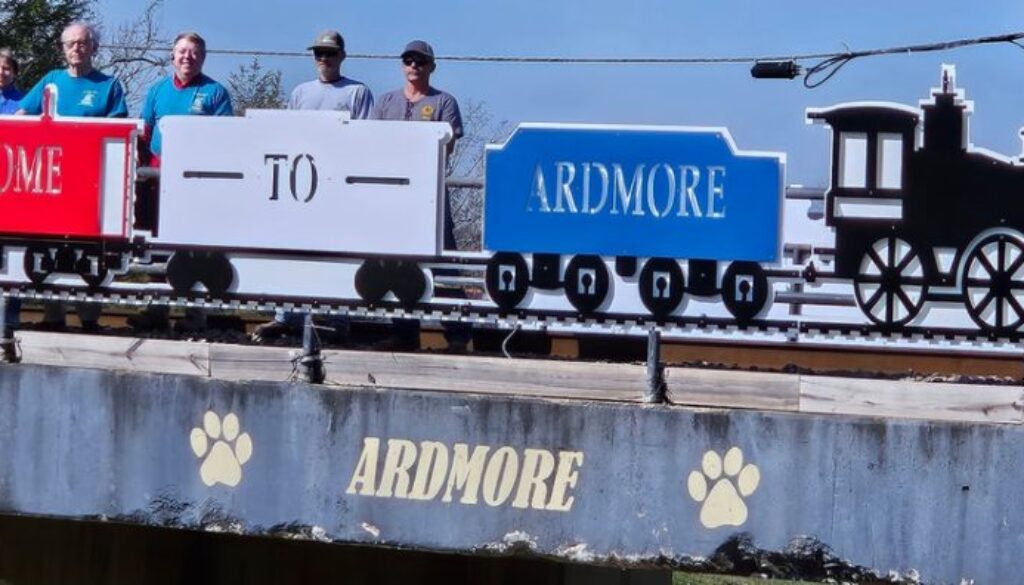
9	98
201	97
94	95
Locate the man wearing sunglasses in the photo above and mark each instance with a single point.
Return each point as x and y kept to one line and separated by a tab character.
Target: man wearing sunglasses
417	100
331	90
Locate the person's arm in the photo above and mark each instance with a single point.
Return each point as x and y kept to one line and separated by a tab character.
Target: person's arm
32	103
363	104
223	107
118	107
377	111
450	113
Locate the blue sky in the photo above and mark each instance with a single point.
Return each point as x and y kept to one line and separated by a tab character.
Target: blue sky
762	114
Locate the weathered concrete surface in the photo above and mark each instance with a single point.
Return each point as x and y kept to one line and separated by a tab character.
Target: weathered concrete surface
610	482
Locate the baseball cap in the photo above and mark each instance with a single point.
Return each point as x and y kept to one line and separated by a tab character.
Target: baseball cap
328	39
420	47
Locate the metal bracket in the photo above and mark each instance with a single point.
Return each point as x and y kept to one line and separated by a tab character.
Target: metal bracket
311	363
657	389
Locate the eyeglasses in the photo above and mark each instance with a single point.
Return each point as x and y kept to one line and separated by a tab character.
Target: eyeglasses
325	54
73	44
419	61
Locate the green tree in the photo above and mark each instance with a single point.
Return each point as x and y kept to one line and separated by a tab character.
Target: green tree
253	87
32	28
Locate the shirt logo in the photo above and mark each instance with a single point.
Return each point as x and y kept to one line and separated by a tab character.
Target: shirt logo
197	103
427	112
88	98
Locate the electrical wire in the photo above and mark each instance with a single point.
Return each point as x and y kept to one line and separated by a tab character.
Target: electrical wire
827	66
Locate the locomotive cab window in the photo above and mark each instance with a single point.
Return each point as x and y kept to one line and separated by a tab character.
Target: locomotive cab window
853	160
890	161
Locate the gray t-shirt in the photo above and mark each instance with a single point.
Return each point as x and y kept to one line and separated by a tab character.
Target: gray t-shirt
343	94
436	106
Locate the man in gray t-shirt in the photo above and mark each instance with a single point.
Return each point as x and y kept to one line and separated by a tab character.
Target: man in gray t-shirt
331	90
418	101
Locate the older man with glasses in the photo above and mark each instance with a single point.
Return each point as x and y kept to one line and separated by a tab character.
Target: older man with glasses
81	91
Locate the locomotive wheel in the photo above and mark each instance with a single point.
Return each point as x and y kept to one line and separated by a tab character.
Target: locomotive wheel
38	263
408	282
372	280
92	269
744	290
890	285
993	284
586	283
662	286
507	280
217	274
182	271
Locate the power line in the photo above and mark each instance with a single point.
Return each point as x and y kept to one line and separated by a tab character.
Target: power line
828	63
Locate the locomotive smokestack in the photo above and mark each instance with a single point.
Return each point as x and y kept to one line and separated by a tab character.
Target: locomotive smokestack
948	78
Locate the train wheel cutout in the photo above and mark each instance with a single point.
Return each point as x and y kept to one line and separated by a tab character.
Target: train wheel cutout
181	272
662	286
744	290
408	282
586	283
993	284
372	280
890	286
507	280
39	263
92	269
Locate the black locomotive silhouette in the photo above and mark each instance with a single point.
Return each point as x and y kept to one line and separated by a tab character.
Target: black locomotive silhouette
938	221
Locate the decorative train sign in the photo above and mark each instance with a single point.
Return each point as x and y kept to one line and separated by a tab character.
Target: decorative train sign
605	228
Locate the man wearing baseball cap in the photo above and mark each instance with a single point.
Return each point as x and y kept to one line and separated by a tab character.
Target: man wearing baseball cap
331	90
415	101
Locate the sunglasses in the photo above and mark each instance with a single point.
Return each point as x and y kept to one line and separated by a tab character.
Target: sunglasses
421	61
325	54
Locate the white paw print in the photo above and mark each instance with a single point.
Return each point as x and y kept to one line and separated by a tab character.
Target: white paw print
723	505
223	462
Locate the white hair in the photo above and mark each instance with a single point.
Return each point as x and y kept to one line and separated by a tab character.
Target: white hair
94	35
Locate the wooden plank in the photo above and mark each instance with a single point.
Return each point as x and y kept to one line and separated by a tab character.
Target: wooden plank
116	353
907	399
553	379
732	389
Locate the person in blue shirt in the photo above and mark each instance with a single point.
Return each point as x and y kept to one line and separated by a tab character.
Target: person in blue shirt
81	89
9	95
187	92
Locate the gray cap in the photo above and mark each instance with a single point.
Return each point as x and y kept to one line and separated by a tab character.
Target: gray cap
419	47
328	39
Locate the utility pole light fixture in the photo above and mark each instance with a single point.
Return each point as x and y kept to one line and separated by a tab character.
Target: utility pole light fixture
775	70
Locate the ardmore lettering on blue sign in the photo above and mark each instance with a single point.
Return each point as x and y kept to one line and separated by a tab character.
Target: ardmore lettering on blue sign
632	191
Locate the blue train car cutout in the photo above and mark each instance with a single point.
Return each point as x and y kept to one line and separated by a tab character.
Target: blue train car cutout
644	196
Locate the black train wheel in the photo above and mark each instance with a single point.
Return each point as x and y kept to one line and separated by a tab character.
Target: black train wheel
586	283
890	285
92	269
38	263
744	290
183	271
662	286
372	280
407	282
507	280
993	284
217	274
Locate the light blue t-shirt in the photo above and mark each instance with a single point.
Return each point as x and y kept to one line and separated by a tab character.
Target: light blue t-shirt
202	97
9	100
343	94
94	95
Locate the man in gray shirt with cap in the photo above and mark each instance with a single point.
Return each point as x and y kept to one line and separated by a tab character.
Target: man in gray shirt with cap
331	90
418	101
